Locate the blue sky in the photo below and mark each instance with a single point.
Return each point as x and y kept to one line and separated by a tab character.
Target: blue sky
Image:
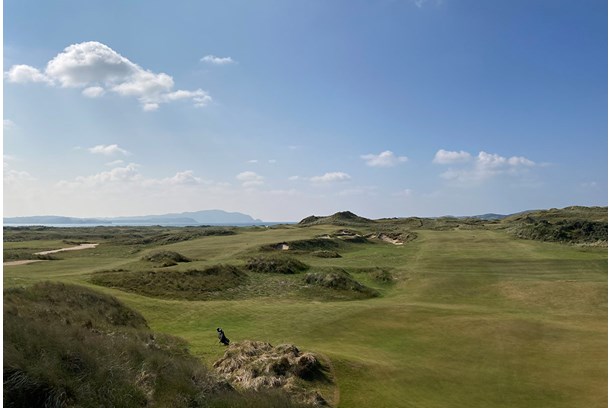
281	110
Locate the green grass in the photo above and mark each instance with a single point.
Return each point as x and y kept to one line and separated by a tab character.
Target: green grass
470	316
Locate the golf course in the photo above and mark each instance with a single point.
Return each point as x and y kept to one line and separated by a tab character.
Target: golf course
403	312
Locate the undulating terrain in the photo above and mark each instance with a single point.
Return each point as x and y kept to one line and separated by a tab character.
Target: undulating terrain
337	310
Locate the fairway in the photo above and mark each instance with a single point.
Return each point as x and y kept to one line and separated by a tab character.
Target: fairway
471	317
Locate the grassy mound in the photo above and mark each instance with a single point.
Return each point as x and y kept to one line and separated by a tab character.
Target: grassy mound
255	365
563	231
70	346
572	225
341	282
381	275
67	345
190	285
308	245
166	258
339	218
282	265
326	254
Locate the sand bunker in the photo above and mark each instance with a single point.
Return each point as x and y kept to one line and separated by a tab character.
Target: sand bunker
75	248
390	240
22	262
29	261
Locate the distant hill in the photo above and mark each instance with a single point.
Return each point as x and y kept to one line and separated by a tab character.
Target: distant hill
204	217
339	218
53	219
488	216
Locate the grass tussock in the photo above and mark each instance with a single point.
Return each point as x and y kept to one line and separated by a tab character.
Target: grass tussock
340	284
282	265
326	254
165	258
256	365
195	284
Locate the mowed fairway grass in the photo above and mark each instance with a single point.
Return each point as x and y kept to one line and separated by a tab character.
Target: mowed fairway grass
474	318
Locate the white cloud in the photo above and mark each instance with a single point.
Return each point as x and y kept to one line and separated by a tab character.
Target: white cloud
253	161
15	176
108	150
116	175
181	178
384	159
250	178
331	177
449	157
99	69
9	124
114	163
24	73
129	178
93	92
211	59
272	161
467	168
150	107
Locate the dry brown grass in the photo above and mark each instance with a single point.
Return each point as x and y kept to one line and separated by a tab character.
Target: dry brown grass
256	365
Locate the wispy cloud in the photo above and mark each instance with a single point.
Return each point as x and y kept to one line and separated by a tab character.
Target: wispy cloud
129	177
449	157
211	59
98	69
249	179
333	177
8	125
466	168
114	163
384	159
108	150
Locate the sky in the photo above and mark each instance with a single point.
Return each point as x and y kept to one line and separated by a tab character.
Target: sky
281	110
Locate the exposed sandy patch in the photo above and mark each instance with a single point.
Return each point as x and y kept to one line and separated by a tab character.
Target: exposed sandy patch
390	240
75	248
22	262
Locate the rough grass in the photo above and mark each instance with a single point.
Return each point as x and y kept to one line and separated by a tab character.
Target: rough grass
339	283
66	345
474	317
307	245
257	365
194	284
283	265
326	254
166	258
